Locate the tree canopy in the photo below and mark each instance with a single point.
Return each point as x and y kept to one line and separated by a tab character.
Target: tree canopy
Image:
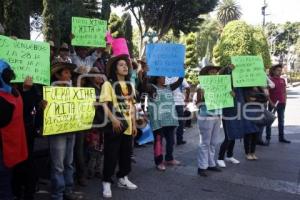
239	38
228	10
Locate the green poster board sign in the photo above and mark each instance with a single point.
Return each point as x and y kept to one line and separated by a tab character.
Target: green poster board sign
217	90
88	32
27	58
249	71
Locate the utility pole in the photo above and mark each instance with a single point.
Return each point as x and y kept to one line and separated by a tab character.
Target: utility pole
263	12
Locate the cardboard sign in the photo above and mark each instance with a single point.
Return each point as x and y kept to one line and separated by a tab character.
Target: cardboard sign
88	32
249	71
69	109
27	58
119	46
165	59
109	38
217	90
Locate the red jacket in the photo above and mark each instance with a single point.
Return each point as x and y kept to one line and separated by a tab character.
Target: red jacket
13	138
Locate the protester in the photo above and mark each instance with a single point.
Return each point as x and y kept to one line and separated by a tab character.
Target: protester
231	125
95	137
24	174
64	54
180	100
255	99
209	122
62	145
117	95
13	146
277	94
163	121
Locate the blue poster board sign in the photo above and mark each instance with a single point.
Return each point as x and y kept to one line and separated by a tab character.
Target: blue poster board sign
165	59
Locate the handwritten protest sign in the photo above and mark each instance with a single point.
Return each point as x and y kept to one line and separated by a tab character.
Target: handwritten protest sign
217	90
68	109
27	58
88	32
249	71
119	46
165	59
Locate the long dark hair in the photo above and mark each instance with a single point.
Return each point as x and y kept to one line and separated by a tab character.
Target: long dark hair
114	79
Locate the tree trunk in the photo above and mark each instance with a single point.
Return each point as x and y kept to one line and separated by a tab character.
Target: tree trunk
51	26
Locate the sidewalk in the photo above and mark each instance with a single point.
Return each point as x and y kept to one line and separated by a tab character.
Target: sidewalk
275	176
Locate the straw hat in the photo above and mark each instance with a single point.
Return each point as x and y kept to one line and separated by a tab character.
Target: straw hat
64	47
62	65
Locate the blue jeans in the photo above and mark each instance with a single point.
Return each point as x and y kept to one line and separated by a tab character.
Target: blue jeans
5	181
61	153
179	129
280	116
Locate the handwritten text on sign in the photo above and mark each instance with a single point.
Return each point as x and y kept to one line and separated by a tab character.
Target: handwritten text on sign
69	109
249	71
27	58
165	59
217	90
88	32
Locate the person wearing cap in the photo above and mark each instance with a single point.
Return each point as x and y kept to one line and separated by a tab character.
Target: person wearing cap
62	145
117	94
277	94
64	54
13	145
209	122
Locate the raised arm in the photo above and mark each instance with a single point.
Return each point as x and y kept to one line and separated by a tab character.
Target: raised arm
175	85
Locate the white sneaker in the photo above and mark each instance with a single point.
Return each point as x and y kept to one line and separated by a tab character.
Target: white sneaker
221	163
125	183
232	160
106	190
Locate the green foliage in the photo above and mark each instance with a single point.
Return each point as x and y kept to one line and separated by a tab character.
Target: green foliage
51	27
239	38
283	36
92	8
297	47
161	16
227	11
207	37
105	9
115	26
127	28
16	18
191	59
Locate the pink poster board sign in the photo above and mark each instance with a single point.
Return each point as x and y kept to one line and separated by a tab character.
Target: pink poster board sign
119	46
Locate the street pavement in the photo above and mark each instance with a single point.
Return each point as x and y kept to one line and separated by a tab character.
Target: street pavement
275	176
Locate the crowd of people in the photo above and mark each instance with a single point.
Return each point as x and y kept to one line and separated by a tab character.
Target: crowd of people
129	98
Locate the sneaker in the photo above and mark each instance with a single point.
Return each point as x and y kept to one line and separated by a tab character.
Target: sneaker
161	167
202	172
72	196
173	162
214	169
249	157
221	163
125	183
232	160
254	157
106	190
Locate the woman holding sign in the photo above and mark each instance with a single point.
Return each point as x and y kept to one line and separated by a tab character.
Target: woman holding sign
117	97
209	124
163	118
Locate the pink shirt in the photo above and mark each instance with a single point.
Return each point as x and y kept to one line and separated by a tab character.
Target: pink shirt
279	92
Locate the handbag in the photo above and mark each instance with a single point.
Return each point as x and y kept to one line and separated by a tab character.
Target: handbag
267	118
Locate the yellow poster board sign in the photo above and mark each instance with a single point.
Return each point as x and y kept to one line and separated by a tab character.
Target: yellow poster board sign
68	109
